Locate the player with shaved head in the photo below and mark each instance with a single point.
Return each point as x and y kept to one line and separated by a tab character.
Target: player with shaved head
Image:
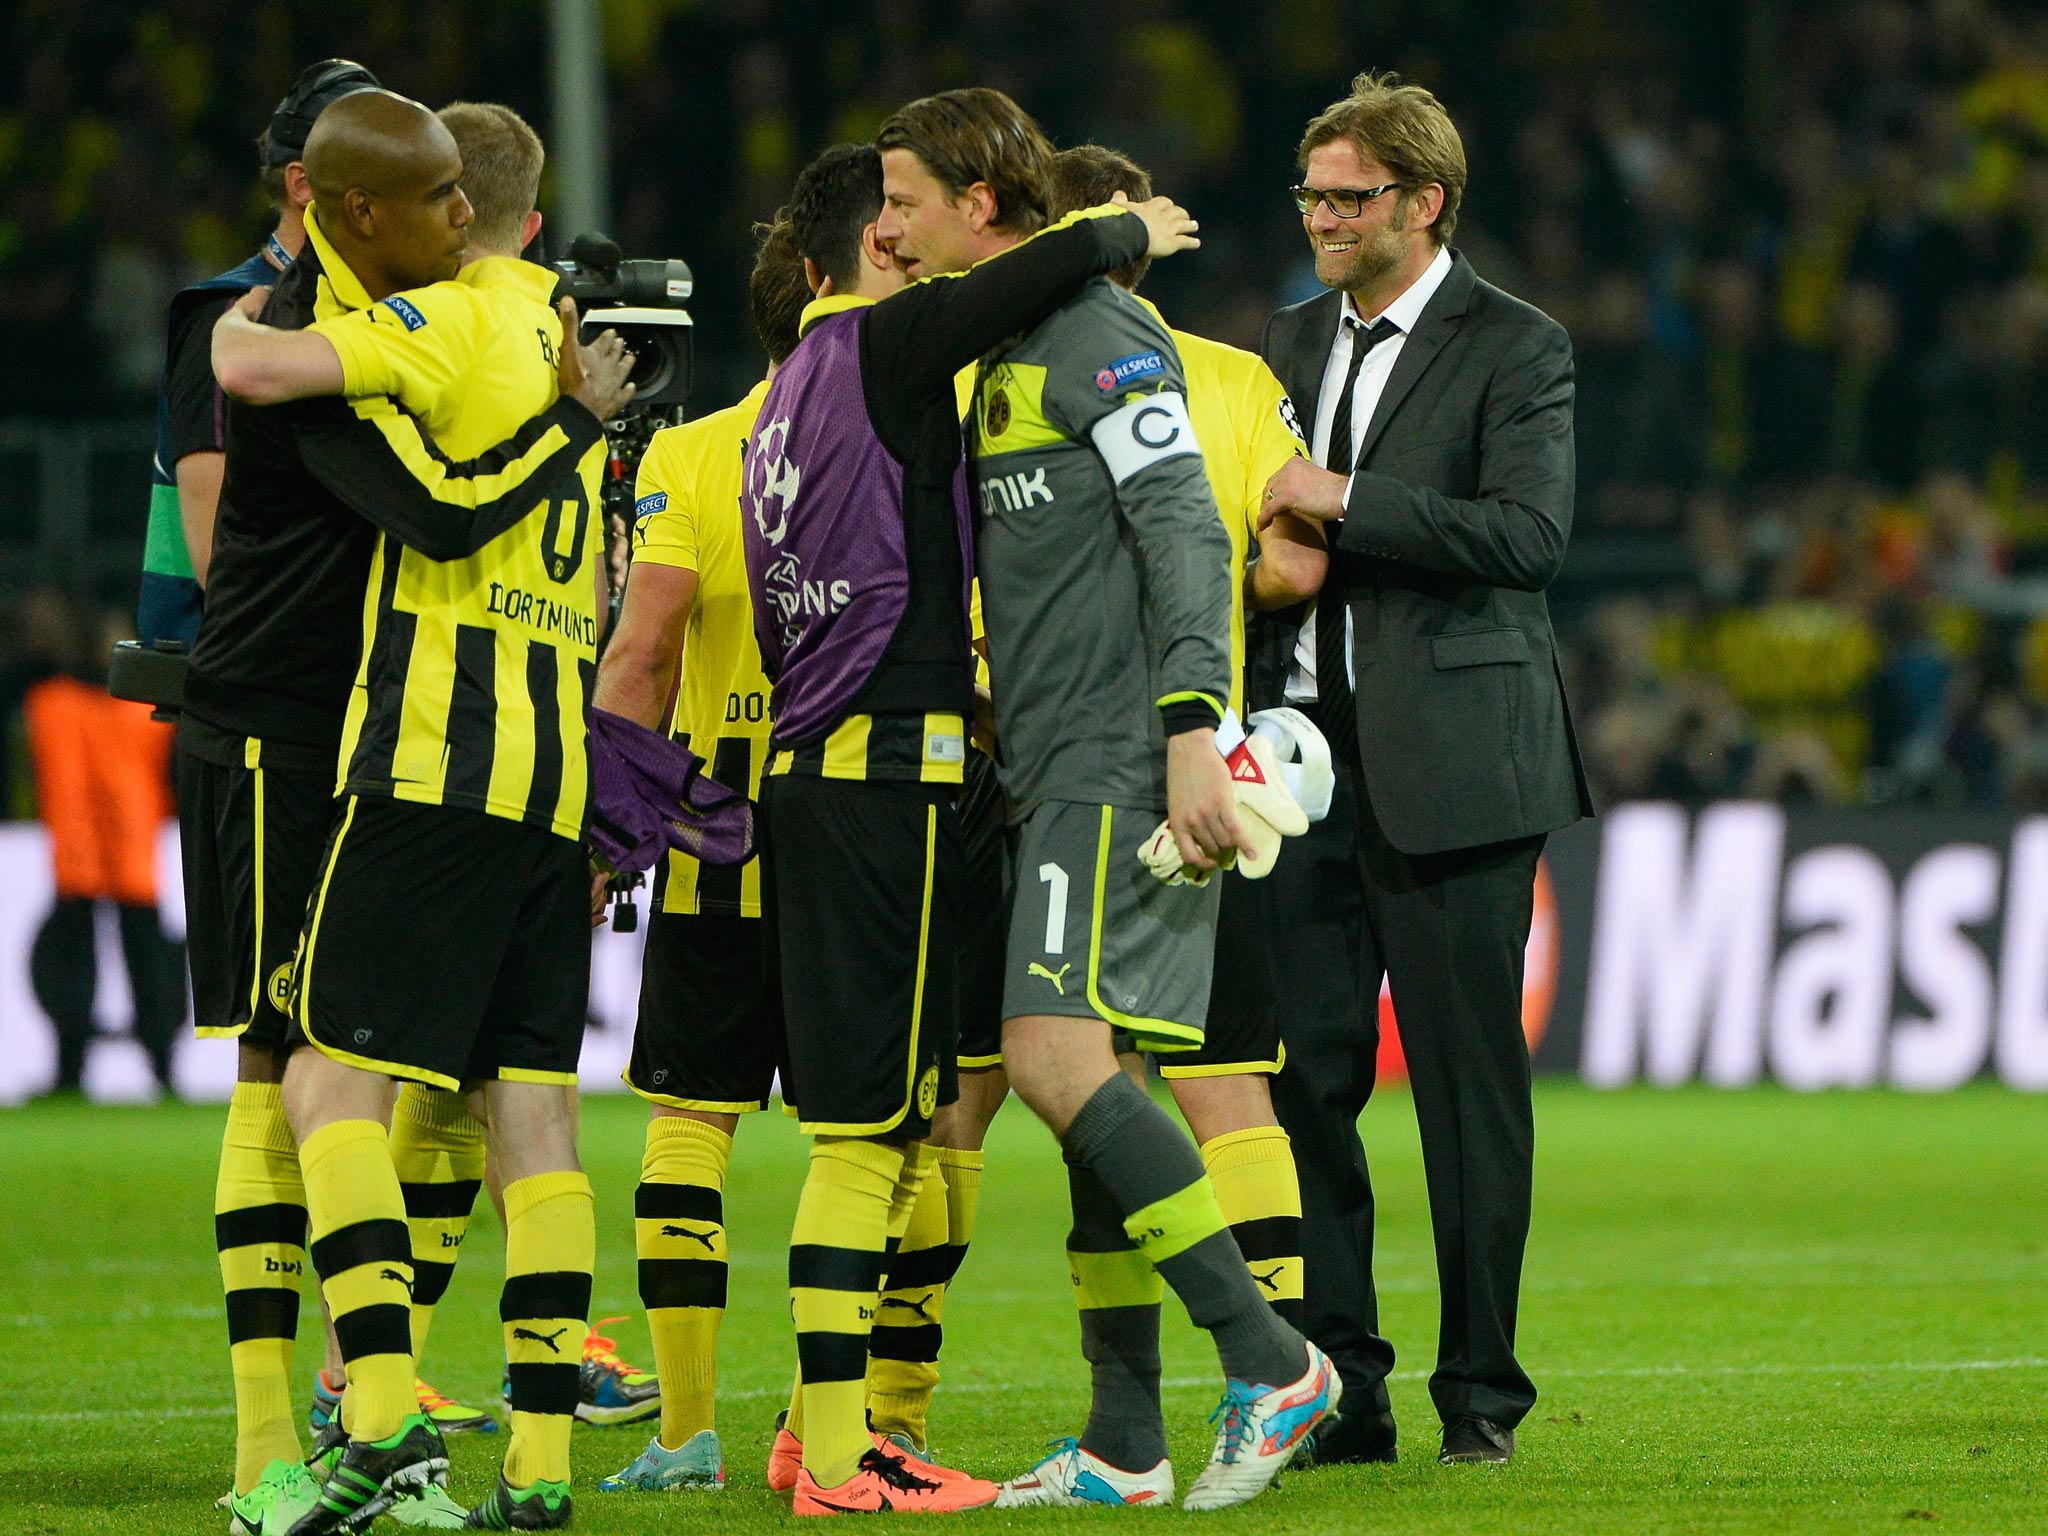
447	942
308	487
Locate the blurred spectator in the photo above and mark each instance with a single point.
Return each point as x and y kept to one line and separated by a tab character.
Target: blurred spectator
102	771
1804	261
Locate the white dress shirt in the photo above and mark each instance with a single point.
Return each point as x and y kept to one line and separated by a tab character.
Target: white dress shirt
1373	374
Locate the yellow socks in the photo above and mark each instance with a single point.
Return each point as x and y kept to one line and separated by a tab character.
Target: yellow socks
550	1250
679	1232
364	1256
837	1253
903	1351
1255	1183
259	1226
437	1147
962	1169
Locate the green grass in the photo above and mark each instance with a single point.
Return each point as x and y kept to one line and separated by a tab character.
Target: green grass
1745	1312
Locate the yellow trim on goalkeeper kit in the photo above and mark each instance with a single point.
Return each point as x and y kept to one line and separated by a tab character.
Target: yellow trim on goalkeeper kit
1153	1034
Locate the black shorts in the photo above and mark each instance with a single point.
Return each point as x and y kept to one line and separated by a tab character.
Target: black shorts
446	946
984	913
249	839
707	1035
861	889
1243	1032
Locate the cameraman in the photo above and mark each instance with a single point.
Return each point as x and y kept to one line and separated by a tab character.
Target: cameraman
191	416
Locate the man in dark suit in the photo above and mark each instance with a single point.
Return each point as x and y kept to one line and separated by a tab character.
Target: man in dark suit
1442	410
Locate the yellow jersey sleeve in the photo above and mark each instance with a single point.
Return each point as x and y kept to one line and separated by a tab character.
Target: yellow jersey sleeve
414	346
1270	434
665	502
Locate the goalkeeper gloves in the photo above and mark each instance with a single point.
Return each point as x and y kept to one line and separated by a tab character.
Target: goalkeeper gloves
1266	810
1265	800
1304	757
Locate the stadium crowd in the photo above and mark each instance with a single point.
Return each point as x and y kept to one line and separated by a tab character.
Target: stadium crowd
1806	578
1803	257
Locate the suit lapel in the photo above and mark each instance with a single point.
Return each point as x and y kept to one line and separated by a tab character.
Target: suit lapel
1437	324
1307	354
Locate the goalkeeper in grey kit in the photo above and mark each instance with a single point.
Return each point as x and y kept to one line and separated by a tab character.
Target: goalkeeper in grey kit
1105	578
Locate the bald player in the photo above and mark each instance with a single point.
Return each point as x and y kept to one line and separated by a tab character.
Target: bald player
447	940
306	487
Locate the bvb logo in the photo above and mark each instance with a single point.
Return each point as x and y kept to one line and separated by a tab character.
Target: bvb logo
928	1093
998	413
280	988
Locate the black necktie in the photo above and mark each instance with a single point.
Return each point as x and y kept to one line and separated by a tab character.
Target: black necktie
1333	674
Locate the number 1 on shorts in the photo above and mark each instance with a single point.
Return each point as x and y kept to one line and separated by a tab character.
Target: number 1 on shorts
1056	910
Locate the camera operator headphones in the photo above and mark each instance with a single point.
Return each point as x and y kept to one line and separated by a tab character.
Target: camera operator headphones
318	87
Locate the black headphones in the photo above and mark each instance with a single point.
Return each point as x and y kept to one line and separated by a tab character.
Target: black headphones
318	87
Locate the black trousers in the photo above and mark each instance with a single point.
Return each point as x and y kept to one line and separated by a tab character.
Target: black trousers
1448	932
64	972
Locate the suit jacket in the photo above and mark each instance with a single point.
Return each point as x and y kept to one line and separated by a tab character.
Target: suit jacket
1456	522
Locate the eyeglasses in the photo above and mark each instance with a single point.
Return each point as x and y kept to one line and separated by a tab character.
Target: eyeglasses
1345	202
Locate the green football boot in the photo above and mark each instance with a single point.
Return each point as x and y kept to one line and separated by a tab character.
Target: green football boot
284	1493
542	1507
371	1474
430	1509
328	1445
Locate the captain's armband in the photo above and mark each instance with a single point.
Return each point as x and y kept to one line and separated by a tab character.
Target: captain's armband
1144	431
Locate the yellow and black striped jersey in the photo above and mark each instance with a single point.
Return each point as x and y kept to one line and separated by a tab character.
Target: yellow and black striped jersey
919	749
1245	424
687	515
475	678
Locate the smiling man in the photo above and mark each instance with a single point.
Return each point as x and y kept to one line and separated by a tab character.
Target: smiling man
1442	410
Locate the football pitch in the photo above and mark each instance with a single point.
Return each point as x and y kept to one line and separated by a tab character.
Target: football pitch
1745	1311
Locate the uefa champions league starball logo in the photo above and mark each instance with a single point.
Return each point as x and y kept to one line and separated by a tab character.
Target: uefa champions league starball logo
772	481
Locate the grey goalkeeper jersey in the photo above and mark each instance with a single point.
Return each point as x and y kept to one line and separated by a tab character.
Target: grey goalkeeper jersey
1105	569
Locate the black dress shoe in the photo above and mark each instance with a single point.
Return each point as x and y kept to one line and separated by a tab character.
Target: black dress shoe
1349	1439
1471	1438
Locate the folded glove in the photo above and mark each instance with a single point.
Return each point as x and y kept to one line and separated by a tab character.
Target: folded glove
1266	807
649	794
1161	854
1304	757
1266	812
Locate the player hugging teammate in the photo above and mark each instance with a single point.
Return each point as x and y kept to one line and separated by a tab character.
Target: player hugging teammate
803	616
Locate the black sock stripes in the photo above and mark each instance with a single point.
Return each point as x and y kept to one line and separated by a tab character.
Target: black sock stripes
543	1311
263	1294
853	1277
690	1216
380	1252
1271	1247
445	1202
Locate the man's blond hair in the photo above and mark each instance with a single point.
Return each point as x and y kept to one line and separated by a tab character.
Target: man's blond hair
501	165
1407	130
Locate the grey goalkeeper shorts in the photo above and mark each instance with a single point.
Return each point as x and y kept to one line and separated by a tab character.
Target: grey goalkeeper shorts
1094	935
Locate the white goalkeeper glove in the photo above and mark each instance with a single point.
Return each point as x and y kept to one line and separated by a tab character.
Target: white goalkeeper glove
1304	757
1161	854
1267	810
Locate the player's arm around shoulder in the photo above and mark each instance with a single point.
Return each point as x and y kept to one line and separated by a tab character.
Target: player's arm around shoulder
379	350
380	460
417	346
